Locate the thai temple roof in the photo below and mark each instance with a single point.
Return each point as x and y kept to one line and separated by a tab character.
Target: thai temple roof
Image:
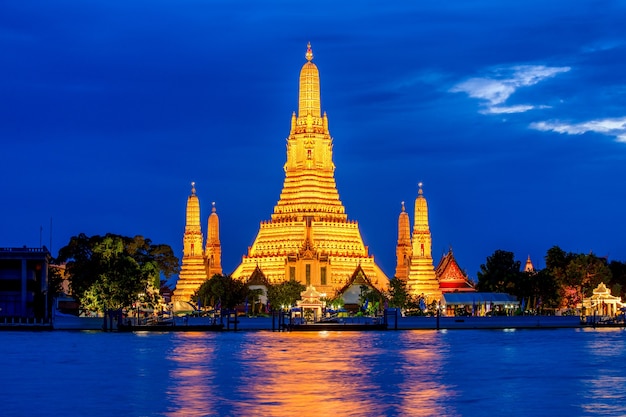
451	277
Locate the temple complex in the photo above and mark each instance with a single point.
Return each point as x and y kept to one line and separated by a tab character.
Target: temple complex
197	265
414	252
309	237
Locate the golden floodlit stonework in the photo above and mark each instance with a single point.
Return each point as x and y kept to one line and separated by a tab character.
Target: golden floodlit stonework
414	253
309	237
197	265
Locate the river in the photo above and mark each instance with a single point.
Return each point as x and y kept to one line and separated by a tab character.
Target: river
555	372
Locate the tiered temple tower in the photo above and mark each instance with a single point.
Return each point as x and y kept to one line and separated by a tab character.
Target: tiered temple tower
404	247
213	249
309	237
420	274
193	272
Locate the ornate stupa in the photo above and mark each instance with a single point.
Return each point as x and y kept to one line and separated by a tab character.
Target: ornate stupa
529	267
213	248
193	271
403	247
309	237
415	266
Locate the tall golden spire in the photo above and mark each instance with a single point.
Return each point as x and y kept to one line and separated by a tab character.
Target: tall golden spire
309	100
192	214
309	169
309	237
422	278
193	232
213	249
403	247
421	213
192	272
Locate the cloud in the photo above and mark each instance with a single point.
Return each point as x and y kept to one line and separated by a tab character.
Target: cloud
615	127
497	89
521	108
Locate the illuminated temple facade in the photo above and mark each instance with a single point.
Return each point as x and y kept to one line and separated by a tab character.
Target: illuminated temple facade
309	238
198	264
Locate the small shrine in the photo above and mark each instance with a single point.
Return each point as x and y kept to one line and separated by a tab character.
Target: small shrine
602	303
311	302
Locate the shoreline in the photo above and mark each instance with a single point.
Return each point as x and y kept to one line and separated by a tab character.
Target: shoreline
401	323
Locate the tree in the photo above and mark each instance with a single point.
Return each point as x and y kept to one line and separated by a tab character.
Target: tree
397	294
618	281
548	290
539	289
500	273
55	279
113	271
586	272
284	294
221	291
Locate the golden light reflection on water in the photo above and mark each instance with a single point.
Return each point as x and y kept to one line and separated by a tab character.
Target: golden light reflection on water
423	366
190	378
327	373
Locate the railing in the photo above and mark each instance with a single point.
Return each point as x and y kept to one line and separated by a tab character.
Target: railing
8	321
27	250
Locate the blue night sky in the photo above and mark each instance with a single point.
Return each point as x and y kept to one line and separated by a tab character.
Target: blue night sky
512	114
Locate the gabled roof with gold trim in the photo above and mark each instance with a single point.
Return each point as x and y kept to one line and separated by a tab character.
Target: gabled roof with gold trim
359	277
450	276
258	278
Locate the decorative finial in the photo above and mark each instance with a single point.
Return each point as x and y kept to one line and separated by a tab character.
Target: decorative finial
193	187
420	192
403	206
309	52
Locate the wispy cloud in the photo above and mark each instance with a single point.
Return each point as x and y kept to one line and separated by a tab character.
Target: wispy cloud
496	90
615	127
521	108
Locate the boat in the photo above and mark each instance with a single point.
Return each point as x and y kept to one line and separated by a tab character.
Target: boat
337	324
187	323
67	315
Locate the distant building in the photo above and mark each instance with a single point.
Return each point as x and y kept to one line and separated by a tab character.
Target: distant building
529	267
24	282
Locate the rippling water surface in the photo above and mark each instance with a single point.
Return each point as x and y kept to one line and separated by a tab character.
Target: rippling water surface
393	373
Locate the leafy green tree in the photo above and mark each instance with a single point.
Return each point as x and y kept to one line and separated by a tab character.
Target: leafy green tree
398	294
284	294
557	260
221	291
548	290
586	272
500	273
539	289
618	281
113	271
333	302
